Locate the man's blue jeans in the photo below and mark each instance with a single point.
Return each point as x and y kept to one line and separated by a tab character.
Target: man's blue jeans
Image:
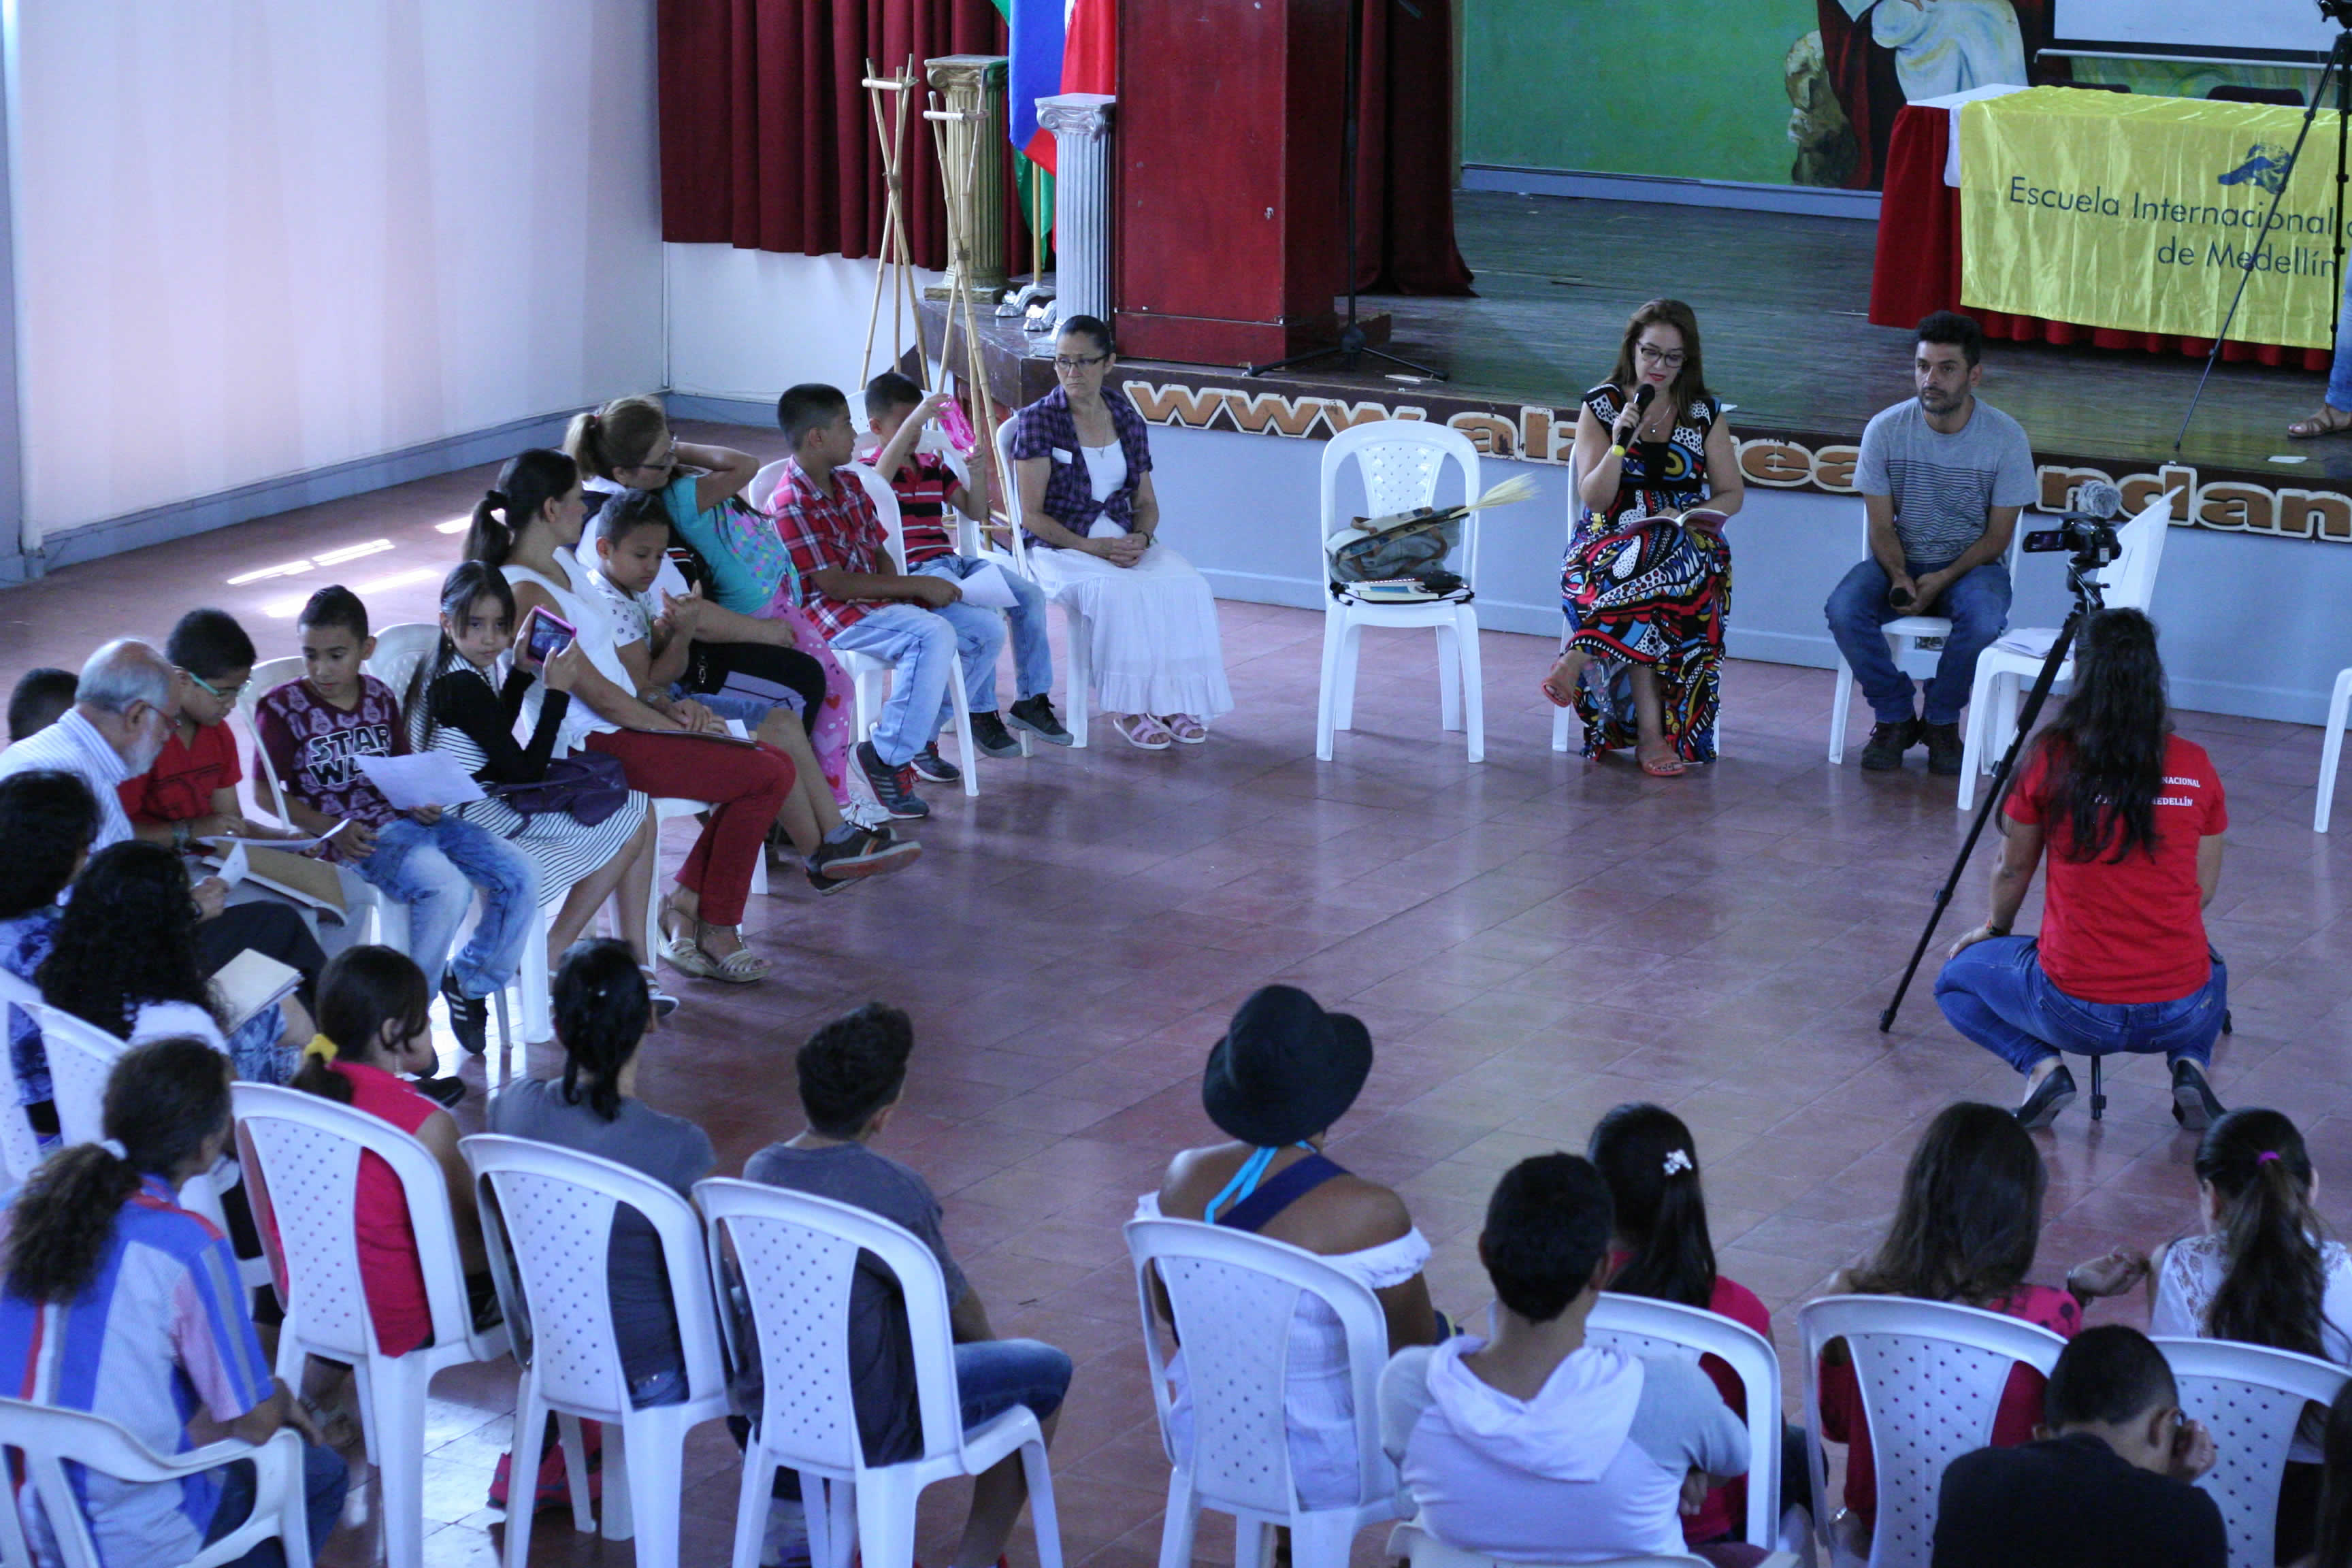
1977	604
1998	994
1033	655
435	870
325	1479
922	643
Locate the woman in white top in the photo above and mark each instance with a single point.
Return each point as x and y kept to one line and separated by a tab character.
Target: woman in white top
1284	1071
529	527
1083	466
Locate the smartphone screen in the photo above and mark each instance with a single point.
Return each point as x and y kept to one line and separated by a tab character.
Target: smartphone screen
545	636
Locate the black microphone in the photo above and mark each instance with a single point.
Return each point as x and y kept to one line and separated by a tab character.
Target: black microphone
1643	395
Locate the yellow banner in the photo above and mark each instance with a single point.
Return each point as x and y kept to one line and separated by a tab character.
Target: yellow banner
2117	210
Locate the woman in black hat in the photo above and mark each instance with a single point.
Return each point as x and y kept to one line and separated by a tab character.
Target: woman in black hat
1284	1071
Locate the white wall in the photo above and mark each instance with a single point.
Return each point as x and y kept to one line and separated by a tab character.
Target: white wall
257	237
746	324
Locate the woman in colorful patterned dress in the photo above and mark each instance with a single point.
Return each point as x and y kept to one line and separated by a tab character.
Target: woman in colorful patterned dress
1647	581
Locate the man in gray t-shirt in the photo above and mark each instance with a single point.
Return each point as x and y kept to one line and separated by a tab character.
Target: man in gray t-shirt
1944	476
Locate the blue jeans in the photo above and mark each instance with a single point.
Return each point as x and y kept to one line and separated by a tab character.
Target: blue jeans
2339	373
922	643
1977	604
435	870
325	1479
1033	655
1996	993
994	1375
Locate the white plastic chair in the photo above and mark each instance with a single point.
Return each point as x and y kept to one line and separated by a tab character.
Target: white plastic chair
1077	627
2252	1399
1904	636
1931	1375
1640	1326
1414	1544
1401	463
2003	673
866	670
308	1147
20	1146
797	1255
553	1224
2331	749
1233	1294
398	651
50	1439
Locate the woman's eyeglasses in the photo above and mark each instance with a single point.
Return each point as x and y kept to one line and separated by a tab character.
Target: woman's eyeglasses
1657	357
1065	361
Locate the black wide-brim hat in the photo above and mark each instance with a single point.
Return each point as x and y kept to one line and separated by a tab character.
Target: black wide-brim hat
1286	1069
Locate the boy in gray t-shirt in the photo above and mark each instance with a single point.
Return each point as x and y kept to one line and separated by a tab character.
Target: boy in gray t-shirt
1944	476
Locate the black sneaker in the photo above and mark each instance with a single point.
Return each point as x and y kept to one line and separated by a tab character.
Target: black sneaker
2194	1104
444	1091
1036	714
988	734
869	854
828	886
1884	753
2042	1105
469	1017
927	764
894	788
1946	749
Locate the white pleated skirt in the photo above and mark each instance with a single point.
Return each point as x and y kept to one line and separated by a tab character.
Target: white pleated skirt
1156	648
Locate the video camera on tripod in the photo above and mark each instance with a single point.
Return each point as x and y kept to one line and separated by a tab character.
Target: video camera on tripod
2088	530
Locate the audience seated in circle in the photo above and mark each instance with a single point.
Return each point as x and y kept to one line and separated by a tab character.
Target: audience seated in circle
2108	1482
602	1011
852	1072
314	729
120	1302
1532	1446
1285	1072
1966	1229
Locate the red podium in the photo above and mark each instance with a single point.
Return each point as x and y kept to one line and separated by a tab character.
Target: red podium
1230	236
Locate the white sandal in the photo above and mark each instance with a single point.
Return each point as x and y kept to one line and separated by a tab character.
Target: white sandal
1142	731
741	967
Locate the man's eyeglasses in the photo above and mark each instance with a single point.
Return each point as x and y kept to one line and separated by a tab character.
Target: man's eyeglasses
1065	361
1658	356
231	695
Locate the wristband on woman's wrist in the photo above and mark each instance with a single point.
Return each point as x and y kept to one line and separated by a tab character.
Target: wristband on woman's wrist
1994	930
1618	451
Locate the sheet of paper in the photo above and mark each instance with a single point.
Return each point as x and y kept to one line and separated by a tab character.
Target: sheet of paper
234	867
420	779
987	588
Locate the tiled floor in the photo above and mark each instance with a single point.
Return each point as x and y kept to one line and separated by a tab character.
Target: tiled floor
1531	942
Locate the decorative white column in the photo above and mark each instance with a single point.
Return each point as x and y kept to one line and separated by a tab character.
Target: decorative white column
1080	122
970	82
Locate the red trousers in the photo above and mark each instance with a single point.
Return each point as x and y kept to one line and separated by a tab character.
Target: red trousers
745	785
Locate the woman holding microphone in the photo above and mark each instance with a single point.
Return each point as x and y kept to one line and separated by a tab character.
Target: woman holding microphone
1647	580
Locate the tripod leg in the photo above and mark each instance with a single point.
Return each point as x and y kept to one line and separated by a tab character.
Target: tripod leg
2098	1091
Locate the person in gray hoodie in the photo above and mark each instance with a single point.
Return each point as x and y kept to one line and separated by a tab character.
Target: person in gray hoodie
1532	1446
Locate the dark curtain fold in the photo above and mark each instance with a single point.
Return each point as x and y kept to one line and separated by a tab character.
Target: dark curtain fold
767	142
1404	152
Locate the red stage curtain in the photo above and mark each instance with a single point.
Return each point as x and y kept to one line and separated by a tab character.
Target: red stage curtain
766	140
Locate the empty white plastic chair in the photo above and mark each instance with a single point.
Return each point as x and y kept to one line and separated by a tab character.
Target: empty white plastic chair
1077	627
1640	1326
307	1148
1233	1294
2331	749
2003	673
2252	1399
553	1221
1931	1375
50	1439
1401	463
797	1255
1904	636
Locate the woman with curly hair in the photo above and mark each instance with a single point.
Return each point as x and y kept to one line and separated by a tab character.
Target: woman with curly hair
124	958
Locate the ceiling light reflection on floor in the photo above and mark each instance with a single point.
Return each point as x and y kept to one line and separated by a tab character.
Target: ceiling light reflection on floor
283	569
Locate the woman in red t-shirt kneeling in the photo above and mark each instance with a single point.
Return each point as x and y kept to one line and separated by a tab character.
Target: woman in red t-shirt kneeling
2134	816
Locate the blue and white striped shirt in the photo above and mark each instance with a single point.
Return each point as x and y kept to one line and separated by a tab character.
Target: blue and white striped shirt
73	745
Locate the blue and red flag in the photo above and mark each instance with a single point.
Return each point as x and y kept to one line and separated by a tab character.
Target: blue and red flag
1057	45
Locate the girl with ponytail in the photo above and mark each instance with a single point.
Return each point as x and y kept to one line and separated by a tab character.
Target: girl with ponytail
1662	1251
2265	1271
374	1022
529	528
96	1239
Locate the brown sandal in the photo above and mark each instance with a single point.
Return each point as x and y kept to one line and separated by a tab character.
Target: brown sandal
2329	421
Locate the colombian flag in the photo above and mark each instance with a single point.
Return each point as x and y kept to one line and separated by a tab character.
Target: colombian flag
1057	45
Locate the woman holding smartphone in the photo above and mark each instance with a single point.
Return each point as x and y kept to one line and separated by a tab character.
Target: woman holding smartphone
528	527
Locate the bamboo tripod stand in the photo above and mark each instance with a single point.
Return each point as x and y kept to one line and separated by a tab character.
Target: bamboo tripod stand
895	277
960	137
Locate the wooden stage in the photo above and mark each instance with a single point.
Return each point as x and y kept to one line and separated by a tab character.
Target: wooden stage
1782	302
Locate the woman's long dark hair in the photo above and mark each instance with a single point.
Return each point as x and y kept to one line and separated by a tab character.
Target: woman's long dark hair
1651	1162
164	1099
2274	1285
2105	751
602	1007
1969	1218
127	938
2333	1545
467	580
363	989
1688	388
529	480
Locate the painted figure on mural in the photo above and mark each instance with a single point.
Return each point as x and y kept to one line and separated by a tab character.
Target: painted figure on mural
1881	54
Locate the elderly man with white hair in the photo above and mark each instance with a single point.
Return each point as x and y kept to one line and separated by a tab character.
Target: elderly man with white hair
123	712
